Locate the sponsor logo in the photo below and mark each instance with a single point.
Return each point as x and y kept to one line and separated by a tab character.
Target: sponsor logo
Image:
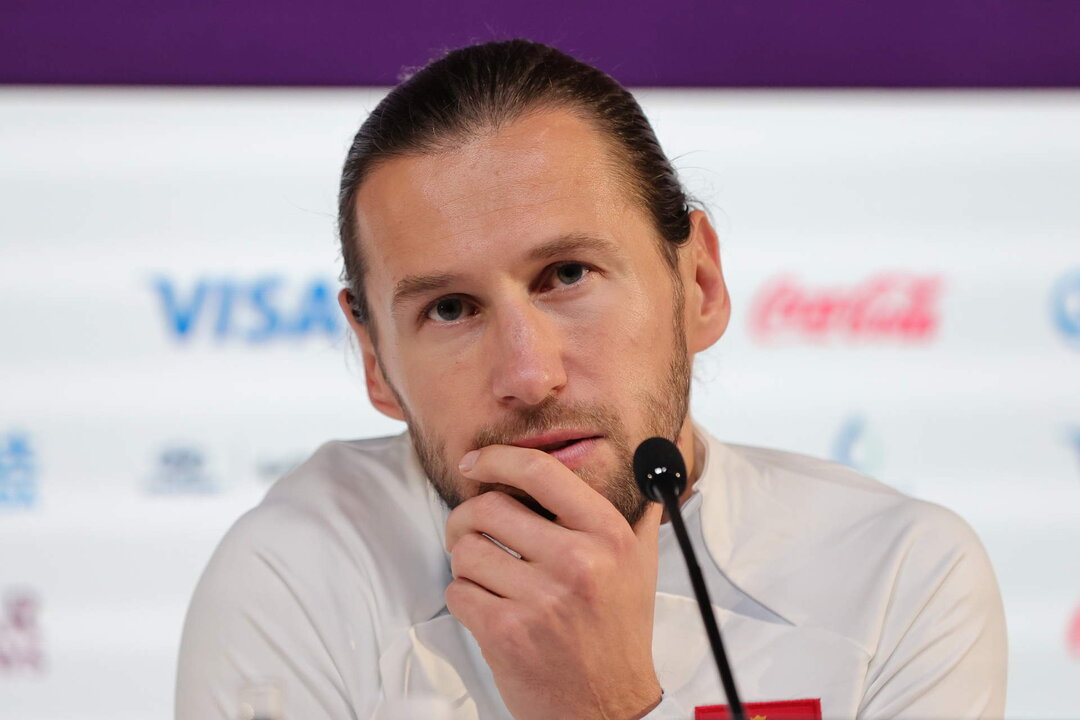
21	644
1065	306
261	310
1072	636
1074	437
891	306
181	469
268	470
18	471
857	448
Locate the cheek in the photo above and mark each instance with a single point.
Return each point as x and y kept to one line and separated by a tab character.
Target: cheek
434	377
623	338
441	385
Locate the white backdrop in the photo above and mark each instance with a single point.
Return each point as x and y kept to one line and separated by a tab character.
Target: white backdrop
905	270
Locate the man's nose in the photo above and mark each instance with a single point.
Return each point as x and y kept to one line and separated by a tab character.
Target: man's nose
527	362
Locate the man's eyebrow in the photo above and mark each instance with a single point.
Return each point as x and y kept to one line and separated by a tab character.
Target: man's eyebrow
412	286
569	243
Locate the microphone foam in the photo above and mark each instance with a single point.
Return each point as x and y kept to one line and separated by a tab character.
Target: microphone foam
658	464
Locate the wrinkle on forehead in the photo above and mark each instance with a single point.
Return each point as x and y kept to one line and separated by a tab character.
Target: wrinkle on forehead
510	177
548	157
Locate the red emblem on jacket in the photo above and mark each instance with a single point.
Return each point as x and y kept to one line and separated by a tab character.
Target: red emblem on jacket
809	709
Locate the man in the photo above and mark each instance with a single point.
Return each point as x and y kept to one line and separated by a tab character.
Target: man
528	286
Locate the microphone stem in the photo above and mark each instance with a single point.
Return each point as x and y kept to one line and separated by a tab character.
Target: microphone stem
671	504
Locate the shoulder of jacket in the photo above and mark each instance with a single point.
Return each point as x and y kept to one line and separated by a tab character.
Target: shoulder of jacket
353	518
786	526
828	496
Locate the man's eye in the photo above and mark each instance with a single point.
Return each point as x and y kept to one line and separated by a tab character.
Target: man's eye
571	273
447	310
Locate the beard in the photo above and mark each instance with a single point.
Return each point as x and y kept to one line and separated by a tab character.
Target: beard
664	412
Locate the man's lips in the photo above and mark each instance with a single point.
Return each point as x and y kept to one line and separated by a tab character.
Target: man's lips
570	447
557	440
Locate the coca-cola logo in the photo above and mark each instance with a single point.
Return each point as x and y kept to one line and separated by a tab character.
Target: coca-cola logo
21	646
891	306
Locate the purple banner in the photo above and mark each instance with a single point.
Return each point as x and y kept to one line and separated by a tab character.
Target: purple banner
746	43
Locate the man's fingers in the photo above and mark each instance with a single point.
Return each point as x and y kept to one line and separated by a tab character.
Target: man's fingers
470	603
483	562
575	503
505	519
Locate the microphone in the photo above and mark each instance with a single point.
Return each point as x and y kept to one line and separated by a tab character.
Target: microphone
661	474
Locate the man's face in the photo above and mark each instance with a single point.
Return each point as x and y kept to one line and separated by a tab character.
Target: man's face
519	296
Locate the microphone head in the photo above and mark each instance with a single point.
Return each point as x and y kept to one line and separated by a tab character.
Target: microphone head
659	464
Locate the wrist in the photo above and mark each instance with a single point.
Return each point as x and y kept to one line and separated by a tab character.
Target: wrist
639	704
651	706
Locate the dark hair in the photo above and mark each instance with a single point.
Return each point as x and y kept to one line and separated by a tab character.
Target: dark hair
481	88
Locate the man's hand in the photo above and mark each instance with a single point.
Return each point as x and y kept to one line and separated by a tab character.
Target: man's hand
567	629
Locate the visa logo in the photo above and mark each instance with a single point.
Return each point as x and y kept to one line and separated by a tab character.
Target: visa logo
258	310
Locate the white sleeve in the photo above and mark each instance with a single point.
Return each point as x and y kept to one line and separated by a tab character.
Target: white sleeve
942	651
255	618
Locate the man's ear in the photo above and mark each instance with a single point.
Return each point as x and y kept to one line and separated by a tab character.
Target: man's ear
379	391
708	306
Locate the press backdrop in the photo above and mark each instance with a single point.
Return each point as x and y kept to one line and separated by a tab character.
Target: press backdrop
904	268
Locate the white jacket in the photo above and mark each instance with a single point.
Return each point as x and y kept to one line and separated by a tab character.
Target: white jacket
826	584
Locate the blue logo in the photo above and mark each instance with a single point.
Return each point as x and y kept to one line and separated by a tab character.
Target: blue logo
856	448
181	470
255	311
18	471
1065	305
1074	436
